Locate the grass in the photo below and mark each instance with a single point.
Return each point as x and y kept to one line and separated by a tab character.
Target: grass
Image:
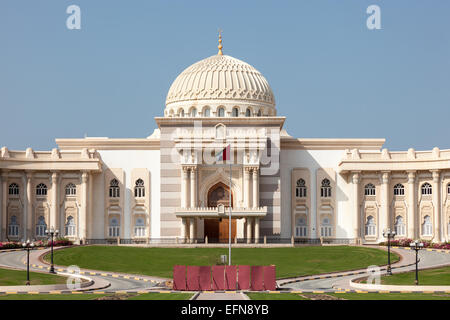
90	296
349	296
10	277
290	262
430	277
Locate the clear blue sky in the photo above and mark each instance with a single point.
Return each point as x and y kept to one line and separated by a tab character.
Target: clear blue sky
331	76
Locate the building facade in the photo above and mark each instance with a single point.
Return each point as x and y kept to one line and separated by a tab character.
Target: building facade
175	186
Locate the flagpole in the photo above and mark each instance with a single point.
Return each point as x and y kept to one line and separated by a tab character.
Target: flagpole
229	224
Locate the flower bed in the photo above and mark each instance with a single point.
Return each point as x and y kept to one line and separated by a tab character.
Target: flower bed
37	244
404	242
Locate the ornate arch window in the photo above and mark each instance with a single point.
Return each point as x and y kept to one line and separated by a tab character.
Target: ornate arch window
70	227
426	189
181	113
114	228
13	189
427	227
369	189
259	113
193	112
399	226
221	112
41	226
114	189
325	228
399	190
71	189
301	227
371	227
248	112
139	189
325	189
13	227
41	189
207	112
139	228
235	112
300	189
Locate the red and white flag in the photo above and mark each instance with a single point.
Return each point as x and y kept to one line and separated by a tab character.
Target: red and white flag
224	154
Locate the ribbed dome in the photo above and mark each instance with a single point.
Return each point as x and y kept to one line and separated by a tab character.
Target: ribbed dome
221	77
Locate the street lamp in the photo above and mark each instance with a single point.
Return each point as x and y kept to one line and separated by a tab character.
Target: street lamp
28	246
389	234
52	233
416	245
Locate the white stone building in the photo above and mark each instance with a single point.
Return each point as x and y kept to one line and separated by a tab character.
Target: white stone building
169	186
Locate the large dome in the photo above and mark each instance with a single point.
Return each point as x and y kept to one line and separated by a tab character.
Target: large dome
220	80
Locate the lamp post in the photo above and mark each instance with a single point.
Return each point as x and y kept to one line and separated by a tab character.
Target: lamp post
416	245
28	246
389	234
52	233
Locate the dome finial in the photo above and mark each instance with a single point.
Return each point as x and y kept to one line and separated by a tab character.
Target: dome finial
220	43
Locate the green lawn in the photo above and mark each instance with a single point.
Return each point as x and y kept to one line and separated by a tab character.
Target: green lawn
91	296
290	262
10	277
440	276
349	296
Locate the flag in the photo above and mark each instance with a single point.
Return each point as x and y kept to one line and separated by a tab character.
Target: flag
224	154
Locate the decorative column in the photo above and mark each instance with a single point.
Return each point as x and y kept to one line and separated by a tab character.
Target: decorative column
191	230
249	230
90	213
355	205
257	230
183	230
28	209
384	211
184	187
82	220
193	187
436	205
54	202
3	208
246	187
411	221
255	187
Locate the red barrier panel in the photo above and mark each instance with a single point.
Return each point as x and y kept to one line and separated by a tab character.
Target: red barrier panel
244	277
269	278
230	277
218	278
179	277
193	273
257	278
205	278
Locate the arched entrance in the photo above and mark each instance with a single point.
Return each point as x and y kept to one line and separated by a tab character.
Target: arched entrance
217	229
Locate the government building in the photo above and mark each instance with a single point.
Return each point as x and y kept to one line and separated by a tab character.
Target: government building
174	186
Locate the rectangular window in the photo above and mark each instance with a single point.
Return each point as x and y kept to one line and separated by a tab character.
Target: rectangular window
13	230
139	231
114	231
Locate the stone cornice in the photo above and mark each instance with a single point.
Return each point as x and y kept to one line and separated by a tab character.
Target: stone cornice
250	121
109	144
290	143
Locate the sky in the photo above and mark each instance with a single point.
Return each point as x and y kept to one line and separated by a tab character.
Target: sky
331	75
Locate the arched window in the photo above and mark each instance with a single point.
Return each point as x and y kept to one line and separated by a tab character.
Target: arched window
235	112
139	228
181	113
448	190
427	227
13	227
70	226
325	190
371	227
114	228
426	189
259	113
41	226
325	228
369	189
206	112
248	112
193	112
13	189
114	190
300	189
221	112
300	227
399	226
71	189
139	189
399	190
41	189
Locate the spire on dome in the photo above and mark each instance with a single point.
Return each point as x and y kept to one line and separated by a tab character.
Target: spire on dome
220	43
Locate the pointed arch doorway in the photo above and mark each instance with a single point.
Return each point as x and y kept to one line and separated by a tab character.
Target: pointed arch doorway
217	229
